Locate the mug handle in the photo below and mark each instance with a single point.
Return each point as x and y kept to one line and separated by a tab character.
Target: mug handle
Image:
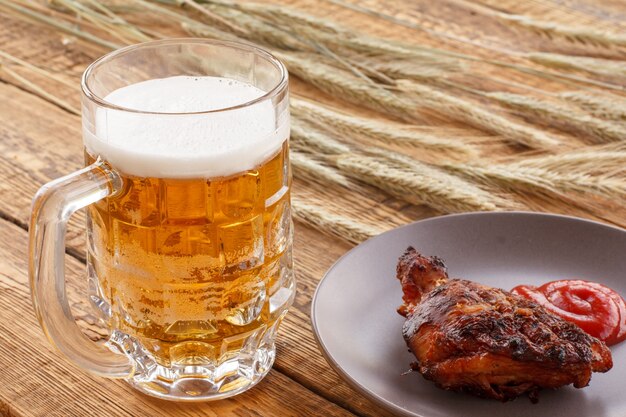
52	207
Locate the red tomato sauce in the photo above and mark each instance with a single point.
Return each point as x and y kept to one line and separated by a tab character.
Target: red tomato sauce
598	310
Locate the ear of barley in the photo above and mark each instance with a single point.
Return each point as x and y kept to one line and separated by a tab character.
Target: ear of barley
419	183
281	14
592	170
325	30
332	223
367	46
524	179
385	132
604	106
599	66
260	31
292	30
57	24
105	19
414	70
282	35
551	30
315	149
305	138
602	160
581	35
307	167
310	68
344	41
470	113
596	130
592	163
214	17
188	23
345	85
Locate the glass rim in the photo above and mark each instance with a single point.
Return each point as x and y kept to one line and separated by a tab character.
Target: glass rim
274	91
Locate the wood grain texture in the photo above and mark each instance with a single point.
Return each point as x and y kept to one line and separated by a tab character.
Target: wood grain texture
39	142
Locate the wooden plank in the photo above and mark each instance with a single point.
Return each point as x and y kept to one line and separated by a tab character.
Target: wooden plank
33	152
37	381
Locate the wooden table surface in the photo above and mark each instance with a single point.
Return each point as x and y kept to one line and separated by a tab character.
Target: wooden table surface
40	141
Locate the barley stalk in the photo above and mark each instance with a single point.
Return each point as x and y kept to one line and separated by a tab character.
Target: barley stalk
347	86
304	138
418	183
523	179
413	69
604	106
326	31
185	21
593	170
315	154
281	14
50	10
263	32
385	132
468	112
105	20
324	76
341	40
331	223
603	160
214	17
346	41
40	91
314	170
36	69
597	130
388	133
281	35
445	53
581	35
61	26
599	66
597	163
548	29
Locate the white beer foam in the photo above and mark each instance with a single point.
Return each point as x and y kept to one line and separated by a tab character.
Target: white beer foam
190	145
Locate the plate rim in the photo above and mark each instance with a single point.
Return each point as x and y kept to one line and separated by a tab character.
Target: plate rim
386	404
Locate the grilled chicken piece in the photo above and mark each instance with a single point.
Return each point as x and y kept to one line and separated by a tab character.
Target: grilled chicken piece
488	342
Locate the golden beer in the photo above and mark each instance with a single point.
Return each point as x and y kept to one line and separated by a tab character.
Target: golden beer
190	266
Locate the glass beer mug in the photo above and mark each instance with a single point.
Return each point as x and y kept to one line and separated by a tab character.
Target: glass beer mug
186	189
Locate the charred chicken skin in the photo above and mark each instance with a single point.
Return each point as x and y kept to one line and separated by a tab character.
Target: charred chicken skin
488	342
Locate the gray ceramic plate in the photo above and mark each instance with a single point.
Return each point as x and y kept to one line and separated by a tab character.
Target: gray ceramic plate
357	327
